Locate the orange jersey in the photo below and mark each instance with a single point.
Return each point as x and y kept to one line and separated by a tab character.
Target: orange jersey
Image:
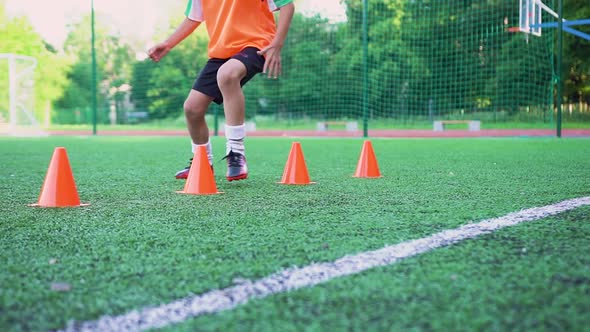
235	24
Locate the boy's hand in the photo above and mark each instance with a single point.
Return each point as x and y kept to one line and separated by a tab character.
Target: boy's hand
272	63
157	52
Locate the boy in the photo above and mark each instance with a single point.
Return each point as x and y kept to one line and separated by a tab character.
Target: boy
244	41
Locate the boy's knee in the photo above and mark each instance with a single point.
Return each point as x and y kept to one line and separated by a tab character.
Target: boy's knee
193	110
225	78
229	75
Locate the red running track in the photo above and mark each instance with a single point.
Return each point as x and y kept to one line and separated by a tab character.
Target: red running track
341	133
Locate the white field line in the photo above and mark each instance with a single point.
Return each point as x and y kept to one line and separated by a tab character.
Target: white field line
290	279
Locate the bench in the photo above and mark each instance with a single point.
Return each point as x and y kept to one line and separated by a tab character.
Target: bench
349	125
472	125
135	117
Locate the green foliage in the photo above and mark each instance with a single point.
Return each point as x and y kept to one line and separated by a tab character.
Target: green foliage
306	69
576	67
517	71
426	59
160	89
114	58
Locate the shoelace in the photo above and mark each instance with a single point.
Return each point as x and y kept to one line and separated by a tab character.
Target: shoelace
190	162
235	159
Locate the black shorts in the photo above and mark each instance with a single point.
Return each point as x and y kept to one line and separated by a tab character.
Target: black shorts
207	81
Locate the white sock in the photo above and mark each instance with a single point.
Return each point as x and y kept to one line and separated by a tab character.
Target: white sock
235	138
209	150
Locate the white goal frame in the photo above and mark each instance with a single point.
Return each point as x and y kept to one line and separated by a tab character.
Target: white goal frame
21	96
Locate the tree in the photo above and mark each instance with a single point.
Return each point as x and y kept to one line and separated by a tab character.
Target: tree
300	91
114	60
161	88
576	52
396	64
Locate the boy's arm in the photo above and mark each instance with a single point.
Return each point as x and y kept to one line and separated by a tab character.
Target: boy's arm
185	28
285	17
272	52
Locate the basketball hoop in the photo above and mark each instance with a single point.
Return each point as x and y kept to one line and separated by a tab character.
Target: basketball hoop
530	20
513	29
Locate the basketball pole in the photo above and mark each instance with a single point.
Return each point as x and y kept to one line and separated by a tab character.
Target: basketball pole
94	110
559	64
365	68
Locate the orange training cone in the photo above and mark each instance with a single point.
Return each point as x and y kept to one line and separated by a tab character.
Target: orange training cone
200	180
59	187
367	165
295	170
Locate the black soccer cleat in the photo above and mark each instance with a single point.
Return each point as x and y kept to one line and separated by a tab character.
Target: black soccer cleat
237	169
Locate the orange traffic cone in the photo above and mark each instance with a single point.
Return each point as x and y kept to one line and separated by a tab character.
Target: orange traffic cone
200	180
59	187
367	165
295	170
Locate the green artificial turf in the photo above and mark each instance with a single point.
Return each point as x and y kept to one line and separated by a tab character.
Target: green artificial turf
140	243
532	277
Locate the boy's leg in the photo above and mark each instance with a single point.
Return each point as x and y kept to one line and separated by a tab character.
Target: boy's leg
231	76
205	90
195	107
